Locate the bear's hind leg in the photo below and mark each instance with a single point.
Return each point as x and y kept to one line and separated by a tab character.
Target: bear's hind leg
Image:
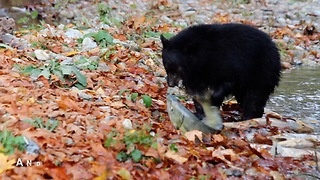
252	104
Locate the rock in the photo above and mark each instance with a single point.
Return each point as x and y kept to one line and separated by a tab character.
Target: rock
201	19
67	13
293	124
85	96
88	44
103	67
73	33
295	145
166	19
13	41
31	147
317	12
41	55
128	44
68	141
286	65
190	13
127	124
309	62
7	25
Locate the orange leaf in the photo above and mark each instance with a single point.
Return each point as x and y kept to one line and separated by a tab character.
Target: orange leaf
121	37
138	21
58	173
66	103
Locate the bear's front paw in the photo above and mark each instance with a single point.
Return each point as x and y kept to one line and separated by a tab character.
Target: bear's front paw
213	118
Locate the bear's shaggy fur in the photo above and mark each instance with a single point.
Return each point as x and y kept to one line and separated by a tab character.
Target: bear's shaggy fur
217	60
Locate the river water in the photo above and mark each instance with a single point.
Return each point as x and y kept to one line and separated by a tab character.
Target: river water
298	94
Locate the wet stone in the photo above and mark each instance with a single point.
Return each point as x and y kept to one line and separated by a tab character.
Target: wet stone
7	25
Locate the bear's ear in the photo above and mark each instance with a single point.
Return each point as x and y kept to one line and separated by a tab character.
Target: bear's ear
165	42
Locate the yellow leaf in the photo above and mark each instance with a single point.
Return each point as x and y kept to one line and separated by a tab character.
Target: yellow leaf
5	164
100	91
103	176
71	53
124	174
31	100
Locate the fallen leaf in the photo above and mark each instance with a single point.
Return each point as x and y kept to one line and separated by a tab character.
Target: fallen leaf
175	156
124	174
152	153
117	104
6	164
71	53
191	135
217	138
223	153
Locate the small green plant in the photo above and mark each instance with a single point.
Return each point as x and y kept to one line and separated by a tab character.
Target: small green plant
173	147
105	15
102	37
150	33
241	1
132	139
33	26
147	100
168	35
5	46
38	44
29	15
246	13
64	72
141	137
10	142
23	20
200	177
50	124
86	63
110	141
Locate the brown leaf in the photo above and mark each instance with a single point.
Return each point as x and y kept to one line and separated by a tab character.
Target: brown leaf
152	153
225	155
191	135
117	104
58	173
217	138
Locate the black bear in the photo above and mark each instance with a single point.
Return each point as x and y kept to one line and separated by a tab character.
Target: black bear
217	60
